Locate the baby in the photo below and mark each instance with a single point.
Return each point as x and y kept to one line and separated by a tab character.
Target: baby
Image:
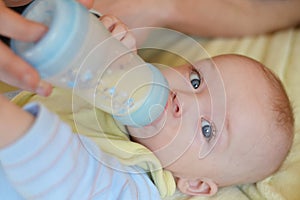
228	121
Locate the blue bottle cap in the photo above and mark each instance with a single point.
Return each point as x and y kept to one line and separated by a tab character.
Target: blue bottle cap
67	27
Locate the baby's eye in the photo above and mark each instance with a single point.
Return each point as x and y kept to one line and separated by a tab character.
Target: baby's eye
207	129
195	79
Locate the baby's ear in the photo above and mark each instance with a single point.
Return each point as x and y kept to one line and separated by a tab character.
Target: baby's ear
197	187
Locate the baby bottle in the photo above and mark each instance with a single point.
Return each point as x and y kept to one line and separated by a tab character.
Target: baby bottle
79	53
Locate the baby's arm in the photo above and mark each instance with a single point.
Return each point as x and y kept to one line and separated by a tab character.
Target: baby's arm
45	160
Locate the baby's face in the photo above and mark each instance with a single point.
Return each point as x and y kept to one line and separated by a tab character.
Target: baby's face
216	121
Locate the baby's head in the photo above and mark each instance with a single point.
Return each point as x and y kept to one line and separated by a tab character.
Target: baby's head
226	123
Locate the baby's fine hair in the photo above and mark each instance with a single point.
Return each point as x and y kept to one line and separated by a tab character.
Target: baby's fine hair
280	104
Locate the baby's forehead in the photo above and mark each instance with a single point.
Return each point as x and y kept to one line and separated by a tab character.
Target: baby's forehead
238	63
246	85
230	65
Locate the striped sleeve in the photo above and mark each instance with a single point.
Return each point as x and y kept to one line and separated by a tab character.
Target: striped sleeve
50	162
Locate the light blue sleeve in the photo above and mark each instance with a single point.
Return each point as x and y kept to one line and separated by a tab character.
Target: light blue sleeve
50	162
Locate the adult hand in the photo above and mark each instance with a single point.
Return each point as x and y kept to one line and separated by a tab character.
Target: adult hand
210	18
14	70
136	13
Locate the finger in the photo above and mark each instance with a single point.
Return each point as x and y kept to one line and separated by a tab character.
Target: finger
16	72
119	31
125	36
129	41
114	25
109	21
87	3
16	26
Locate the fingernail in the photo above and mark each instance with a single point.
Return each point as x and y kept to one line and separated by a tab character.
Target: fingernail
44	88
106	21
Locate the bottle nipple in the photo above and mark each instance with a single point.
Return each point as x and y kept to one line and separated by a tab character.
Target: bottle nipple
153	106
